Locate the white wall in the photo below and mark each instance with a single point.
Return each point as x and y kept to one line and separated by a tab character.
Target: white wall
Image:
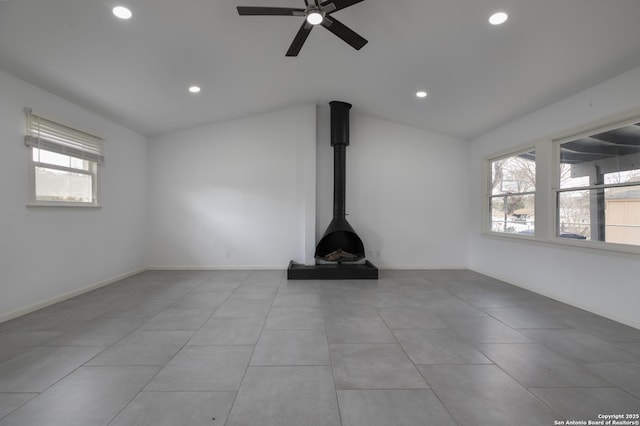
407	194
47	253
602	282
236	194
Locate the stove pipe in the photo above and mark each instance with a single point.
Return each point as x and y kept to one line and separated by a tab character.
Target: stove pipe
340	243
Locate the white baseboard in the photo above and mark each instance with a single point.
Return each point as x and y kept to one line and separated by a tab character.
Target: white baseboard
282	267
64	296
216	267
631	322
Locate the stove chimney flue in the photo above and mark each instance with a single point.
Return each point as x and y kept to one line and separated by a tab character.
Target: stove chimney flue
339	123
339	142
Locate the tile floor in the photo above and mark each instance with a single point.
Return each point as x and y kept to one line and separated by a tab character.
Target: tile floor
249	348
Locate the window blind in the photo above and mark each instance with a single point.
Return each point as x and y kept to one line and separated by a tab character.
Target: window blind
51	136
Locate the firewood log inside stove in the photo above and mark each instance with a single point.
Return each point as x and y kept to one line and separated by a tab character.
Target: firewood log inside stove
338	255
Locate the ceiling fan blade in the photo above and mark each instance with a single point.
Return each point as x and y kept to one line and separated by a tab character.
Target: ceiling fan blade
299	39
339	4
277	11
344	32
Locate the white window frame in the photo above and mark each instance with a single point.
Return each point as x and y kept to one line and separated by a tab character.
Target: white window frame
555	189
547	151
50	136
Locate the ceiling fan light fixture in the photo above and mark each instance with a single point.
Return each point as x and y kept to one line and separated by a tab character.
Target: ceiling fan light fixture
314	17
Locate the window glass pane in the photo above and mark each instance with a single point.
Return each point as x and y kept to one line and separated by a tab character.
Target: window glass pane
610	214
626	176
574	215
513	214
605	158
568	180
42	156
57	185
514	174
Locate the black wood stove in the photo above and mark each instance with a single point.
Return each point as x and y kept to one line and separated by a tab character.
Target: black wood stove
340	252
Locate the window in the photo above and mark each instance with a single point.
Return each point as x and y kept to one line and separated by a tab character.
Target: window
63	163
512	194
598	195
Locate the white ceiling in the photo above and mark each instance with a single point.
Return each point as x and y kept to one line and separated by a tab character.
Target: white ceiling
478	76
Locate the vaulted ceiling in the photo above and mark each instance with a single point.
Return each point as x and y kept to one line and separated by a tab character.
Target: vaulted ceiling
478	76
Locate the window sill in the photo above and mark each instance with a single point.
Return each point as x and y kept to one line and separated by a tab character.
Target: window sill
570	244
64	205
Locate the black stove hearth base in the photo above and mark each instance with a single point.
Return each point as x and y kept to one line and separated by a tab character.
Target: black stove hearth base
350	271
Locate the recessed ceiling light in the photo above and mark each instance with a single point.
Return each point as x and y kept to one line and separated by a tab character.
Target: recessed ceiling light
421	94
122	12
194	89
498	18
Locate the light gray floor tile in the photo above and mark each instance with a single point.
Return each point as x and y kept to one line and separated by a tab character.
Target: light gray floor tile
403	407
26	338
551	307
12	401
228	275
203	368
373	366
169	290
451	306
229	331
631	347
278	396
623	375
520	317
410	318
217	287
179	319
201	300
143	307
265	275
237	308
488	299
586	403
51	320
337	306
358	330
393	299
255	291
101	331
580	346
291	347
438	347
42	366
604	328
176	409
88	396
533	365
485	330
144	347
14	343
295	319
8	352
298	299
483	395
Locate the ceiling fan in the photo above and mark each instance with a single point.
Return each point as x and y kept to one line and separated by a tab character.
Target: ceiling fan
315	13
